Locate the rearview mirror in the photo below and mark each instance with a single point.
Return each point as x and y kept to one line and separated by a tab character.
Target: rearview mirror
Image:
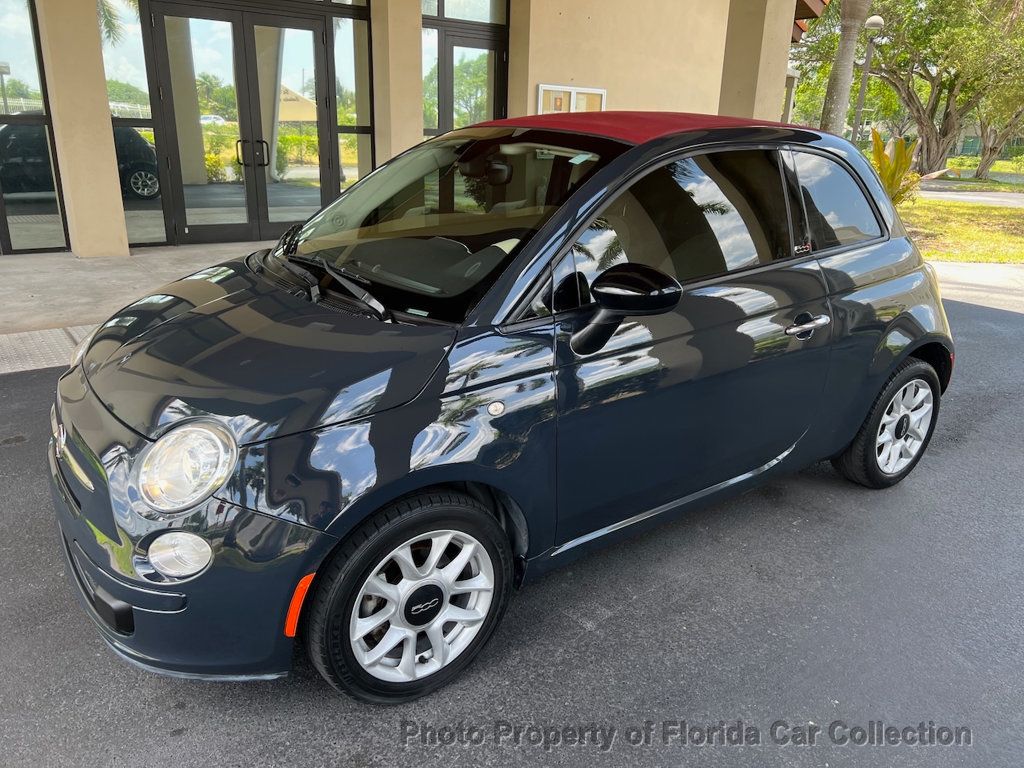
621	291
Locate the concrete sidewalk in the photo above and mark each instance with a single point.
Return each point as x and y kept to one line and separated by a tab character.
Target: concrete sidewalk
49	301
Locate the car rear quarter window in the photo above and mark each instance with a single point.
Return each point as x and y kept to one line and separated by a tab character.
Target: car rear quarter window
693	218
836	211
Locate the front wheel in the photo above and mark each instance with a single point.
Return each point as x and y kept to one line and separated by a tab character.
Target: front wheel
410	598
897	429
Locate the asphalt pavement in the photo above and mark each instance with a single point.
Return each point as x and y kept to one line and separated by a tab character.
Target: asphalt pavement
806	602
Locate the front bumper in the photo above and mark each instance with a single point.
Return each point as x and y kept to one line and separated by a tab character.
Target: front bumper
226	623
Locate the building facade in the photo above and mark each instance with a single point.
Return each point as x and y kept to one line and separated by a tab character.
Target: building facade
136	122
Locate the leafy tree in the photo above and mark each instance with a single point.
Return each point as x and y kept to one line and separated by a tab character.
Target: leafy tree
810	94
813	57
126	93
346	99
1000	118
19	89
852	15
886	109
943	57
430	112
215	96
940	58
472	88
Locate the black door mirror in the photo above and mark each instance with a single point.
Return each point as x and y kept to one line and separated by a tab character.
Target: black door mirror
621	291
635	289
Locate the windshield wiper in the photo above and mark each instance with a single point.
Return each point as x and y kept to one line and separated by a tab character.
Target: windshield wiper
306	276
361	295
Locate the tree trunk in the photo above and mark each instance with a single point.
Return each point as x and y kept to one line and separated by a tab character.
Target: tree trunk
994	138
935	148
853	14
991	146
989	155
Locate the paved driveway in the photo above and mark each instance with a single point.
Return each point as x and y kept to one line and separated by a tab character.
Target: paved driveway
1002	199
806	601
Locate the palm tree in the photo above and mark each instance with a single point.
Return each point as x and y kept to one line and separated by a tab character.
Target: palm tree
110	19
852	15
206	85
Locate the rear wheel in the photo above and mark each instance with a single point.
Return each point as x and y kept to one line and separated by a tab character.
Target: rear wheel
897	429
411	598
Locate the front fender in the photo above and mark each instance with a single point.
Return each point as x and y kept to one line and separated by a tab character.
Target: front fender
480	419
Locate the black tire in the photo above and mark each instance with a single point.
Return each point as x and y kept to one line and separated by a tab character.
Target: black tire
338	583
859	462
142	183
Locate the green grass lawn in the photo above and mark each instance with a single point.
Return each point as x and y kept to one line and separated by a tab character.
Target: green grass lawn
946	231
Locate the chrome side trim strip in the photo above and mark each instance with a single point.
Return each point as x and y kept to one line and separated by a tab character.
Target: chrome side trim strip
587	537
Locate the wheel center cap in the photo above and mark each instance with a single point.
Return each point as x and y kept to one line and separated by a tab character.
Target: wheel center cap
423	605
902	427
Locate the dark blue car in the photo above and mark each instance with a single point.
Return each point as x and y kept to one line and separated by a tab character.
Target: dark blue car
508	345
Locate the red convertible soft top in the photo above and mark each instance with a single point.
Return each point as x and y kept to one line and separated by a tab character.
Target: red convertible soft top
632	127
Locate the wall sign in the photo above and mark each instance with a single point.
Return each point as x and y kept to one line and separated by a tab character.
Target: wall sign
553	99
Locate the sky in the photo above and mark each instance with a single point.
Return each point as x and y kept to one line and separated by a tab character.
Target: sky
16	44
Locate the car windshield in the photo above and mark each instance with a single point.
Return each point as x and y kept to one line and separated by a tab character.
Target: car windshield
430	232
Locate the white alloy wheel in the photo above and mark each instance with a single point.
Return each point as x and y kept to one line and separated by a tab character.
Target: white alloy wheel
421	606
904	427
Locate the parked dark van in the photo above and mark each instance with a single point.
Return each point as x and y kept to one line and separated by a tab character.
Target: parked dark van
510	344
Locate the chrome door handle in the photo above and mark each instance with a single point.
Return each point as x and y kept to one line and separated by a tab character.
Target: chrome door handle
819	321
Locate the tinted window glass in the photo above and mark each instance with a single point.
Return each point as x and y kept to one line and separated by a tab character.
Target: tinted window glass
694	218
431	230
837	211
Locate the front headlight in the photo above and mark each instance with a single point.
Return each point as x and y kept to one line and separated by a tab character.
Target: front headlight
79	351
185	466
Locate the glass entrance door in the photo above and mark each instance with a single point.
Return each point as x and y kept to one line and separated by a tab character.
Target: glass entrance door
244	101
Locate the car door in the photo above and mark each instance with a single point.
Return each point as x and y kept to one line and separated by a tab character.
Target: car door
725	385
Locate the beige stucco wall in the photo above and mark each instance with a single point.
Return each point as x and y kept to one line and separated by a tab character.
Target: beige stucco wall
648	54
73	62
756	58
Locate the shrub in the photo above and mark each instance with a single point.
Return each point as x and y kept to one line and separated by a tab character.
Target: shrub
964	163
280	161
215	170
892	162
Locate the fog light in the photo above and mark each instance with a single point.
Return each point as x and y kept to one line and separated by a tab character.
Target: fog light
179	554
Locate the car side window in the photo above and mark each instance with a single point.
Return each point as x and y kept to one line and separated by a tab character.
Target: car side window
693	218
836	209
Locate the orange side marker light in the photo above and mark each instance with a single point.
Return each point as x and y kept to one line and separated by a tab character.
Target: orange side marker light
291	622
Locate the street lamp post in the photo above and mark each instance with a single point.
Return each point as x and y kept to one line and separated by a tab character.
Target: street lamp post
874	25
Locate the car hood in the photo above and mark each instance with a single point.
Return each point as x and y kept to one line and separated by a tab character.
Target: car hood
224	343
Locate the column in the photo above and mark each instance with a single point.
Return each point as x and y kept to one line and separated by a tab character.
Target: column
72	53
397	76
